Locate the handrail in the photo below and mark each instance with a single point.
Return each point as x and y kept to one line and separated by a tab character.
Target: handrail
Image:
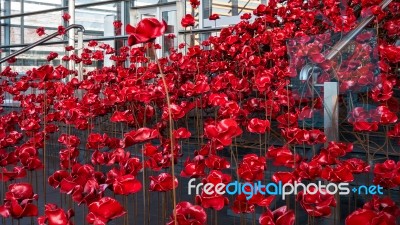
49	37
100	38
308	70
342	43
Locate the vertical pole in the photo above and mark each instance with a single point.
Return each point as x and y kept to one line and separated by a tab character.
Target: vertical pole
235	7
180	13
109	31
22	28
7	22
71	33
331	111
80	50
331	128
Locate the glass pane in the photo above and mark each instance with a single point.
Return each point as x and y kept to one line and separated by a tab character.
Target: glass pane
229	7
94	18
43	3
15	7
150	2
15	35
170	18
48	20
37	5
36	57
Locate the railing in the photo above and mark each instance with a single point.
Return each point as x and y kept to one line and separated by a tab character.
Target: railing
41	41
309	69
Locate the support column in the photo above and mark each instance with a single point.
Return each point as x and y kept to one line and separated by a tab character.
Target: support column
7	23
22	27
331	111
331	128
80	50
109	31
71	33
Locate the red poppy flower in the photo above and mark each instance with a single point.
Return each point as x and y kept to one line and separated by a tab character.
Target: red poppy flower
385	204
316	137
261	200
66	16
241	205
214	200
69	48
55	179
90	190
145	31
104	210
309	171
385	115
217	99
188	21
280	216
392	27
306	113
163	182
61	30
387	174
125	116
51	128
186	213
181	133
337	174
339	149
287	120
28	156
117	24
317	204
194	3
384	91
171	36
29	124
213	17
69	140
245	16
12	60
18	201
55	216
40	31
395	132
118	155
390	53
252	167
141	135
296	135
16	173
356	165
215	162
178	111
283	156
283	177
195	168
258	126
223	131
92	43
376	211
125	185
369	217
96	141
